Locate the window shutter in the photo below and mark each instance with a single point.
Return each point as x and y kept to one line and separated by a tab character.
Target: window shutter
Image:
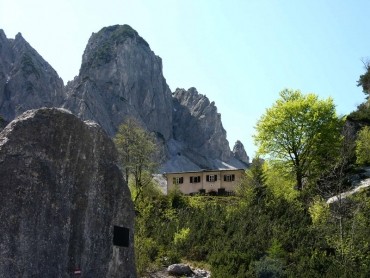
181	180
207	177
191	179
198	178
233	177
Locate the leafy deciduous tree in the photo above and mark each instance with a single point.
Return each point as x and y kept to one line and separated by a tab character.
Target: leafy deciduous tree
363	146
301	132
136	148
253	180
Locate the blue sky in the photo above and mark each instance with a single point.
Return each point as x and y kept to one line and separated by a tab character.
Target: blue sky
240	54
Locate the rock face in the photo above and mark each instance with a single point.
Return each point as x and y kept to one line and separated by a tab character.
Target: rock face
121	77
3	123
27	81
179	270
63	200
197	123
240	153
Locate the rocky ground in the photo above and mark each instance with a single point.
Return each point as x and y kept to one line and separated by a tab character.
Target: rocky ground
176	270
360	182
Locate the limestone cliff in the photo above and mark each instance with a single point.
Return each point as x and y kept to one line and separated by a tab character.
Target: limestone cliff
240	153
27	81
121	77
64	204
197	123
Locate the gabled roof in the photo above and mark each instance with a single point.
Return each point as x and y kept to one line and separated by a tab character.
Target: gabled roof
205	170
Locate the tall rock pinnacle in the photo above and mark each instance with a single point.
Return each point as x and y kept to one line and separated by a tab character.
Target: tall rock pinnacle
240	153
121	77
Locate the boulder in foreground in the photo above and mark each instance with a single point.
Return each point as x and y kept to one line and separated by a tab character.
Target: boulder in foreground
65	208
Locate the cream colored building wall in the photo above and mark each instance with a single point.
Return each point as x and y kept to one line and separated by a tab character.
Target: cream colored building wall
187	188
211	186
231	185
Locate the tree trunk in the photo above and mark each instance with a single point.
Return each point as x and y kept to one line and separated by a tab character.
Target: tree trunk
299	179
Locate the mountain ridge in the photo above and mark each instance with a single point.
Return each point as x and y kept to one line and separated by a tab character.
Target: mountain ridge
121	77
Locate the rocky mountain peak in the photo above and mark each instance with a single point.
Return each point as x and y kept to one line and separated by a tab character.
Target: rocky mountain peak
192	98
19	37
101	48
121	77
198	123
27	81
240	153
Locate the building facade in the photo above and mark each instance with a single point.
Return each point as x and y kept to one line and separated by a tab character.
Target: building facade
205	181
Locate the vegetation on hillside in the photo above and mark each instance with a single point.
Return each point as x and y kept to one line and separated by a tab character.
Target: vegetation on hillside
261	233
271	229
362	113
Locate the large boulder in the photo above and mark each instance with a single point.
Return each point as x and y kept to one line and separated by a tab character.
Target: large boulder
65	207
179	270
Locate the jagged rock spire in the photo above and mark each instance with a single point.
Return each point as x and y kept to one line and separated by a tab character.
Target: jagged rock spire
240	153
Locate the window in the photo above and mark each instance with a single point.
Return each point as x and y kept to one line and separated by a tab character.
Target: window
211	178
195	179
229	177
121	236
178	180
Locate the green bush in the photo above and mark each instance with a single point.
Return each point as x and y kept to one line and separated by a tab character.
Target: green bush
268	268
363	146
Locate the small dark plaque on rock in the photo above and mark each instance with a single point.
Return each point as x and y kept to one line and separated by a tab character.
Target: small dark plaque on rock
121	236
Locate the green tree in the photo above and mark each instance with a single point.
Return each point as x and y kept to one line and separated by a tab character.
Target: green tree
252	185
363	146
136	148
300	132
364	80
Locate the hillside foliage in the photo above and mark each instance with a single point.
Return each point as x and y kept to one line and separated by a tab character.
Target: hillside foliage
261	233
269	228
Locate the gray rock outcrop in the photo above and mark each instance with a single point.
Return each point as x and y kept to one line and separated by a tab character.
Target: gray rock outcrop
179	270
27	81
197	124
3	123
63	200
240	153
121	77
